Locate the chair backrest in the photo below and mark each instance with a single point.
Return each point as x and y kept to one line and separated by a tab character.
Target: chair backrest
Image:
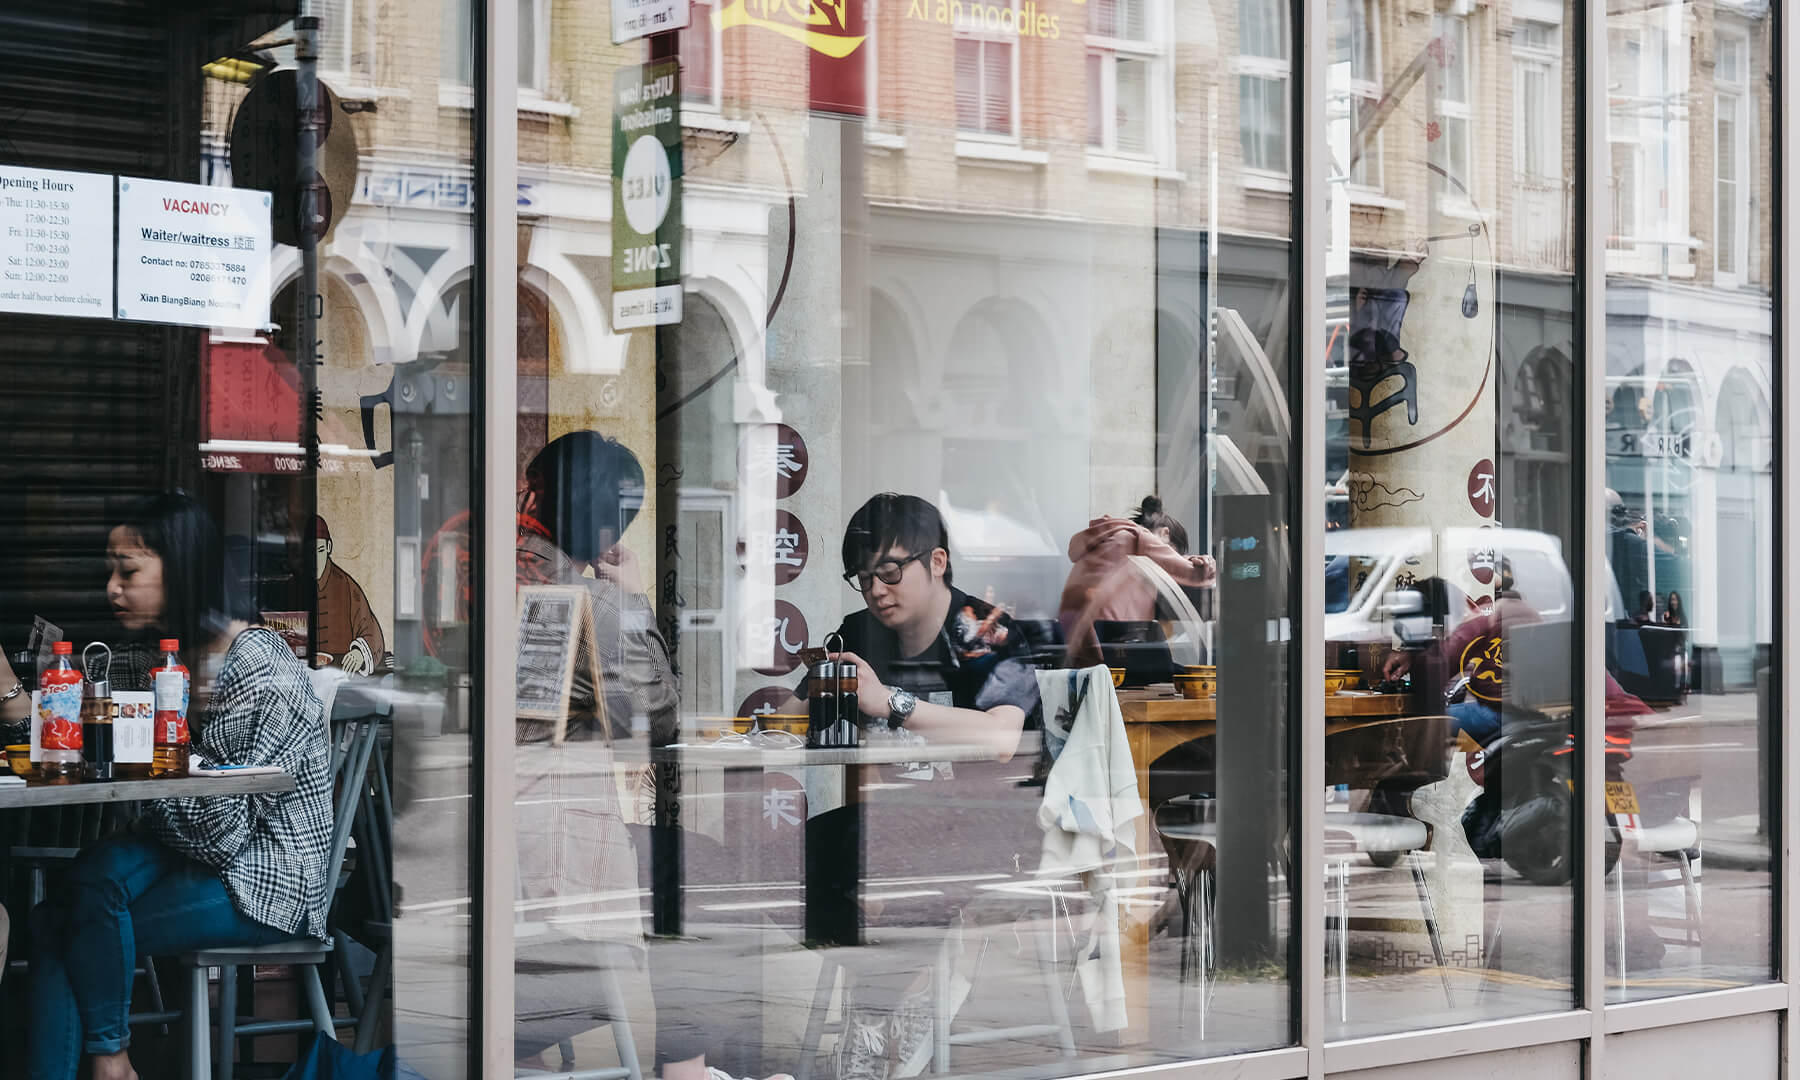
351	751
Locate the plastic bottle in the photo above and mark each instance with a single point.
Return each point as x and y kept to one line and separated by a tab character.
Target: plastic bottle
59	718
170	683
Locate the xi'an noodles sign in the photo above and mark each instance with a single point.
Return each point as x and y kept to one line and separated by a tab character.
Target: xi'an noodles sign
834	32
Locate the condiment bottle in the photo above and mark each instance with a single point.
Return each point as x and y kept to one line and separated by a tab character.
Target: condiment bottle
848	711
170	683
97	716
821	704
59	718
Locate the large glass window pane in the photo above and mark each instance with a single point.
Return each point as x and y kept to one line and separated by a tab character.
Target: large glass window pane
1690	490
256	454
919	384
1449	553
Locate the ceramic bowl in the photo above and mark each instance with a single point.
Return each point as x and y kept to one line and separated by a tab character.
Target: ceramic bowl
1338	680
1118	675
19	758
1196	687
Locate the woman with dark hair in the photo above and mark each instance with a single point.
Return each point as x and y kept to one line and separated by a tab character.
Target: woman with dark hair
577	858
1104	587
1674	614
1150	515
197	872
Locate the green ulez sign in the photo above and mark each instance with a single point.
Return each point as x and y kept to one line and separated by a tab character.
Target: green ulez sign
646	182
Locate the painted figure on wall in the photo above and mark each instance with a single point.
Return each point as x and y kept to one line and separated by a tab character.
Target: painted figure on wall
349	635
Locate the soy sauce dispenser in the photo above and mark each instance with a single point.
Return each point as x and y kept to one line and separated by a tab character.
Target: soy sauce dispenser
821	704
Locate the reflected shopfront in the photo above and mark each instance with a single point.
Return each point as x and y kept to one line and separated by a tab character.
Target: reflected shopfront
883	538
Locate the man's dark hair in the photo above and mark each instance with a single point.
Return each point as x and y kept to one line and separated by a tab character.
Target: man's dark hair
1151	516
203	590
890	520
585	482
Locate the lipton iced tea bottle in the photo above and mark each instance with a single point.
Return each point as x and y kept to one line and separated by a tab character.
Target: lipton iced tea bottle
59	718
169	682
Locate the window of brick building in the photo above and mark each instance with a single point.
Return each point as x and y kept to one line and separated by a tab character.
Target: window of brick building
1356	86
1731	196
987	81
699	45
1264	68
1122	61
1452	142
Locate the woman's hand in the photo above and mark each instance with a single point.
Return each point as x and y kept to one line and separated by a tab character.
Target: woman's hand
619	565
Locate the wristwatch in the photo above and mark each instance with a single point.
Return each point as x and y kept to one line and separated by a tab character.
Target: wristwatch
900	707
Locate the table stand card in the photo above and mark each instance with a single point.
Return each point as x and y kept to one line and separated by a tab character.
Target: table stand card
556	632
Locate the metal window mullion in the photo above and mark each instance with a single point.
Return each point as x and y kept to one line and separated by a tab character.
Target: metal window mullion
1308	538
1594	164
1787	552
497	102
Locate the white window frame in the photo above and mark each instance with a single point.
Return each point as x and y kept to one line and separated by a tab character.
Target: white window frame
1528	132
1453	31
1149	51
536	81
1271	69
1362	92
711	100
962	32
1736	97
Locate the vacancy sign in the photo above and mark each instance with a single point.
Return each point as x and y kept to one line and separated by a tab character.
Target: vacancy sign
56	242
192	254
646	181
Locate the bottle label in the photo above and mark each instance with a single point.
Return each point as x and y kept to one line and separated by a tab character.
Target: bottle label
59	717
171	689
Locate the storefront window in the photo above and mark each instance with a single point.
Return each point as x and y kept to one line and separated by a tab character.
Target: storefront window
1689	490
1450	579
979	399
238	437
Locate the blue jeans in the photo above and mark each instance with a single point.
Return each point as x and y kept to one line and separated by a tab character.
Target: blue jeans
1478	718
126	897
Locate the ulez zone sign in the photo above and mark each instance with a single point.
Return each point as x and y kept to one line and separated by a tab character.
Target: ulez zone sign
646	181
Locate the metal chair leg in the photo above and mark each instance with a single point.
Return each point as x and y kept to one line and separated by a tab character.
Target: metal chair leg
1431	924
1203	906
1618	876
1059	1009
815	1018
621	1024
315	994
199	1030
153	986
369	1016
1690	890
346	975
940	1010
227	1022
1343	940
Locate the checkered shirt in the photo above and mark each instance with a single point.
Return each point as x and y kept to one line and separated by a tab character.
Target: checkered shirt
270	849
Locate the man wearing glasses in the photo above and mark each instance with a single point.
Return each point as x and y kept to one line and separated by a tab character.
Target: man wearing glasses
949	668
930	658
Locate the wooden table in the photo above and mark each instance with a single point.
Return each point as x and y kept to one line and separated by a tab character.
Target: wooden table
1159	721
35	795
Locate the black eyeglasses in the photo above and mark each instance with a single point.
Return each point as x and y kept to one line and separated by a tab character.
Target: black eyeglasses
889	572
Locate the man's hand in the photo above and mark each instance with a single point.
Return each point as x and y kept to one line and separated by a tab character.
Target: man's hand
871	696
1396	665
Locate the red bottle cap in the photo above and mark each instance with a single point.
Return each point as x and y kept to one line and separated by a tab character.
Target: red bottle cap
63	648
169	644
